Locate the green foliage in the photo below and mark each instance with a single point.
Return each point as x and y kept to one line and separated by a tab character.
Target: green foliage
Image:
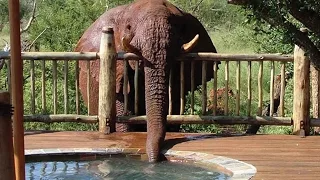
275	130
237	39
25	9
212	13
286	18
63	126
243	97
228	25
48	82
201	128
65	22
271	40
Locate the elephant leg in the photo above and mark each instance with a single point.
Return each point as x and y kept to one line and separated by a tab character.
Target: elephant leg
124	127
253	129
121	127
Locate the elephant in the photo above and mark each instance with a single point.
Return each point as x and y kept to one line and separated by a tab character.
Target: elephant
158	32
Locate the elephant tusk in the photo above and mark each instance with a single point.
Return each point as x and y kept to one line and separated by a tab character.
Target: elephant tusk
127	46
188	46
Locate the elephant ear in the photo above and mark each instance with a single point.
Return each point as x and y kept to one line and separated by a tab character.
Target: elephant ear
192	27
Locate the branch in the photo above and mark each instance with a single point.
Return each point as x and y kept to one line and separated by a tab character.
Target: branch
299	38
32	43
195	8
307	17
7	46
237	2
22	30
302	40
2	62
1	26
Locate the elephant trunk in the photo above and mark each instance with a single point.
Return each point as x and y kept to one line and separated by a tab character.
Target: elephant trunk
157	43
156	110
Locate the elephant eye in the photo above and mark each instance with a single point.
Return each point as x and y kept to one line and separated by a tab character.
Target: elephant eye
128	27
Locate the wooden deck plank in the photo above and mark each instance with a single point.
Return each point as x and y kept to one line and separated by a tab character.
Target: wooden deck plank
274	156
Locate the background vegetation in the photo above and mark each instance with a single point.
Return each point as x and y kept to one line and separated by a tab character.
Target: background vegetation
230	27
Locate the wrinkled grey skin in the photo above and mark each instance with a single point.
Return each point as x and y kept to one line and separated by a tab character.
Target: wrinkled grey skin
155	30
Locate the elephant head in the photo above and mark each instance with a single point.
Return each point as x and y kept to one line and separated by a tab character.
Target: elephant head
159	32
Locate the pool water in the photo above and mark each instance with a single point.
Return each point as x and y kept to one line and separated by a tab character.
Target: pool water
123	168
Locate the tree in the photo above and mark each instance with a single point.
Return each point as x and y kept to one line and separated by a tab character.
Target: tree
289	16
26	7
66	21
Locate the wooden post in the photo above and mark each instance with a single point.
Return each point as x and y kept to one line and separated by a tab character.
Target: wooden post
301	95
107	82
77	87
226	85
55	85
136	88
6	143
192	87
32	87
170	91
238	88
43	87
204	87
315	76
88	86
249	89
17	88
272	89
65	84
182	100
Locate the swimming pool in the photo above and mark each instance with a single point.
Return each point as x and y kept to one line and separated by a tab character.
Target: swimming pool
60	156
116	167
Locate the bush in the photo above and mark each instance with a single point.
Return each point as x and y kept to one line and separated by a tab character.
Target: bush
228	26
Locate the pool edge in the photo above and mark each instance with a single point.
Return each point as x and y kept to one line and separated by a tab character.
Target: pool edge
238	170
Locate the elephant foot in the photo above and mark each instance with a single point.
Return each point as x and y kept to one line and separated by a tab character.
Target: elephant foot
153	147
253	129
155	157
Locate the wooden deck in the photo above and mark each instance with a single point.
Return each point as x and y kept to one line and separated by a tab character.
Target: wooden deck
274	156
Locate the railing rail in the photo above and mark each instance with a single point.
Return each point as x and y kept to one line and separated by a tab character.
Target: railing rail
302	123
207	56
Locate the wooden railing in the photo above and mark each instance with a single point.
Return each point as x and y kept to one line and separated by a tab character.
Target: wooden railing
106	114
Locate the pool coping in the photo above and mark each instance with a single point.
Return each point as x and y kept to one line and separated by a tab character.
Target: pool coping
236	169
